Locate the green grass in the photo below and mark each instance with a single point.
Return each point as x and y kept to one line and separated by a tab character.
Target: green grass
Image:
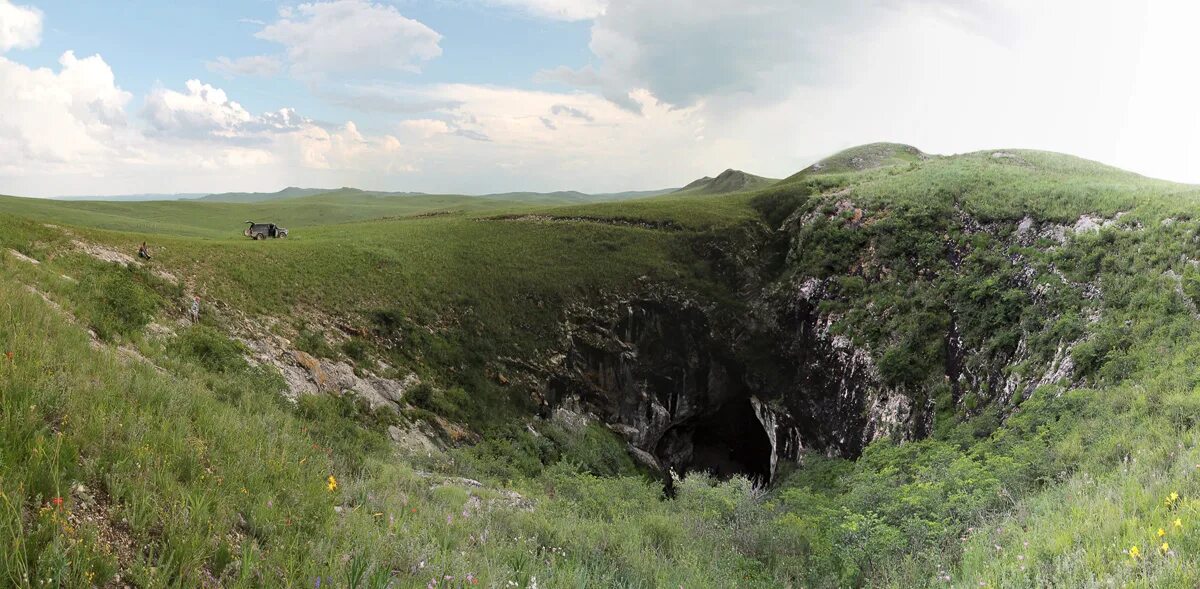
218	479
225	221
210	468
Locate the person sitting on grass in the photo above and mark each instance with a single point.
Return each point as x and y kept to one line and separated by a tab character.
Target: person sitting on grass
143	251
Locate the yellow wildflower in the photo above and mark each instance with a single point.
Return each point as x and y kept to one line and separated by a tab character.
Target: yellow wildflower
1161	532
1165	547
1134	552
331	483
1178	523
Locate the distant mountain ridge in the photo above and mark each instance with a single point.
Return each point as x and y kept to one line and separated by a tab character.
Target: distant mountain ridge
562	196
728	181
289	192
133	197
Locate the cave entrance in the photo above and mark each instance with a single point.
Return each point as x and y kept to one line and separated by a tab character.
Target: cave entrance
729	442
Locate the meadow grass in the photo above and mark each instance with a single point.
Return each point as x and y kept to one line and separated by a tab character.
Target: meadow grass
210	475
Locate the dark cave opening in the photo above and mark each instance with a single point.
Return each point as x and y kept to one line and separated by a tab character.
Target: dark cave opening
729	442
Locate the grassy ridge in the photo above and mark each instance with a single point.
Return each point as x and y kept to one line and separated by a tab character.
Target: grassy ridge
217	220
199	474
1058	494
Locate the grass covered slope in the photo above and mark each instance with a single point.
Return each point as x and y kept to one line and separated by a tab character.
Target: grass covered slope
219	479
187	469
225	221
726	182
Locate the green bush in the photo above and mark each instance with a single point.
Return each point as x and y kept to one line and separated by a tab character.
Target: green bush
210	348
118	301
594	449
452	403
313	342
356	350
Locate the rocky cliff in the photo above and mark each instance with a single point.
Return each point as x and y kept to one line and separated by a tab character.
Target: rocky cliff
851	324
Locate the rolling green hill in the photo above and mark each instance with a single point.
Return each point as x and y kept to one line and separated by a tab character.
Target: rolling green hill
865	157
250	197
544	198
938	371
726	182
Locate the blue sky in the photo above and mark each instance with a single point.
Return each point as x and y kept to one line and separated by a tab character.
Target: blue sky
167	43
474	96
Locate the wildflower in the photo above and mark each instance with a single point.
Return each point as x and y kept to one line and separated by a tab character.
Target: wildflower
1165	548
57	501
8	355
1161	532
1178	523
471	579
331	483
449	519
1134	552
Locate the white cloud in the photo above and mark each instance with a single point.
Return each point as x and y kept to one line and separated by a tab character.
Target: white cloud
685	50
568	10
68	132
48	118
551	141
347	36
20	26
202	110
252	65
345	149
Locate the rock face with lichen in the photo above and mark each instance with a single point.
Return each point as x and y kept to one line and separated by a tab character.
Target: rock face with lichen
829	355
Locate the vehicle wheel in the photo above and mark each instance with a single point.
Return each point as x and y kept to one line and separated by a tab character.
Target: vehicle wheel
258	236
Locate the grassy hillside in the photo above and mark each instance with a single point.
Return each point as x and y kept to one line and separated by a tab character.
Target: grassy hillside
217	220
250	197
194	472
864	157
186	469
726	182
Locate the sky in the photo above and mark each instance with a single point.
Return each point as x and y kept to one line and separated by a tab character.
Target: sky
476	96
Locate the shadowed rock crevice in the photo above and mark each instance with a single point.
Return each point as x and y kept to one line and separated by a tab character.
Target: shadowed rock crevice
731	441
655	372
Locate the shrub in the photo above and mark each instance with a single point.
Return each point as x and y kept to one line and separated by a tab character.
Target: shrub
452	403
118	301
209	348
355	349
313	342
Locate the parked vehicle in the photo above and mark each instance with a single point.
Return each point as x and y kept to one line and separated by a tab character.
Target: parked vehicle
264	230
